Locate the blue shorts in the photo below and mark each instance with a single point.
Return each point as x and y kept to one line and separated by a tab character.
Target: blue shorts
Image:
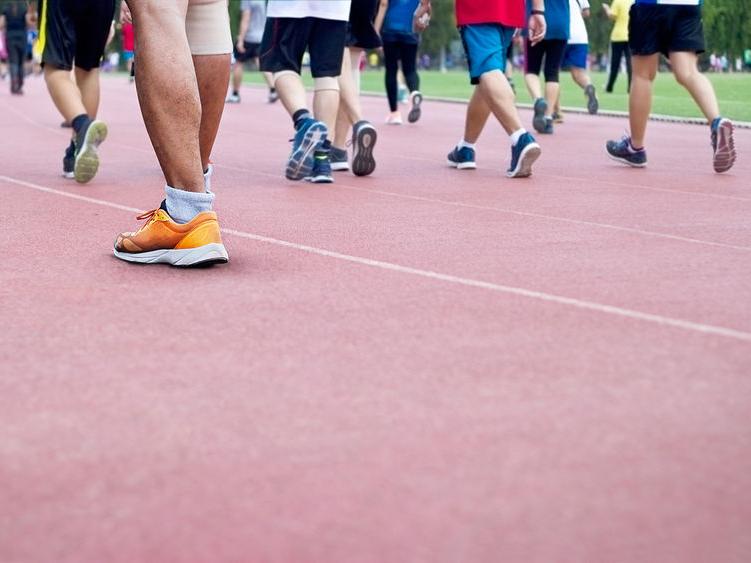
486	45
575	56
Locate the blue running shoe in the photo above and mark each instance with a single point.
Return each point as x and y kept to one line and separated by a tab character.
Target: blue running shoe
523	155
538	121
723	145
462	158
624	152
321	173
308	138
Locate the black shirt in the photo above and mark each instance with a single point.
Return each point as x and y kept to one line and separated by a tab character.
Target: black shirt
15	17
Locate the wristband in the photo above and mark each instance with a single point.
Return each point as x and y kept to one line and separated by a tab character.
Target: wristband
537	12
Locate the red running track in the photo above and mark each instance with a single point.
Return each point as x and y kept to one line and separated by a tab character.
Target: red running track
424	365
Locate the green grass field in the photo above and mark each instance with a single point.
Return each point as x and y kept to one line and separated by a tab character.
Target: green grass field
733	90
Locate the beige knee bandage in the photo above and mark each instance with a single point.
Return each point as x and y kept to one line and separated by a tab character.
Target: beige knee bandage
207	27
325	83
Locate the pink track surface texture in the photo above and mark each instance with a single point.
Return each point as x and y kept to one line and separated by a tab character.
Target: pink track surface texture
424	365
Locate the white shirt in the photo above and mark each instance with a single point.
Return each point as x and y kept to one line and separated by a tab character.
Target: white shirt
322	9
578	31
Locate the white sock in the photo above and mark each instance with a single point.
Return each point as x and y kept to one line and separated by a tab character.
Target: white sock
462	144
207	179
182	206
516	135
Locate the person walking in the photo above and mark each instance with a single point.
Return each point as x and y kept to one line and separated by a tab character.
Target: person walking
550	50
400	44
618	12
14	21
674	29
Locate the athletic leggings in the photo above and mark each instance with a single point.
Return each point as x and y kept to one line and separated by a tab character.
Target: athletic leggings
552	51
16	45
393	52
618	49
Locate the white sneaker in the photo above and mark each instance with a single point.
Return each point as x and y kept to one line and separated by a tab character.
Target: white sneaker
394	119
233	99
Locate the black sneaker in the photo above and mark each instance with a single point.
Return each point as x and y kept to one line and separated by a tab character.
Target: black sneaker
69	162
462	158
339	159
88	140
364	137
723	145
415	113
523	155
623	151
538	121
592	104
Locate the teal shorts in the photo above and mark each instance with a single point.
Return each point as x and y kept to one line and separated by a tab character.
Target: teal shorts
486	45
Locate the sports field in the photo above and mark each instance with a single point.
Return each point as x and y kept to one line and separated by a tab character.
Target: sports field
423	365
733	90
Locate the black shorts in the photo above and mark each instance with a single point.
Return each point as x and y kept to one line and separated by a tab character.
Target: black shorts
664	29
552	51
285	41
74	30
252	50
361	32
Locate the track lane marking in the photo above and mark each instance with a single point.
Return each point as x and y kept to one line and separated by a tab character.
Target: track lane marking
438	276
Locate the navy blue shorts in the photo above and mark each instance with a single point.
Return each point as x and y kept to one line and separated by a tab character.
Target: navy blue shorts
575	56
486	45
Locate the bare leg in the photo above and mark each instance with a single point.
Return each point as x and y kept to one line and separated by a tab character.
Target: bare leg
552	91
700	88
533	85
212	73
640	98
499	98
325	106
64	92
170	101
478	112
88	84
581	77
268	77
350	110
291	91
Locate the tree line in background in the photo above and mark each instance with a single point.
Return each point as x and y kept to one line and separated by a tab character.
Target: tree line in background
727	27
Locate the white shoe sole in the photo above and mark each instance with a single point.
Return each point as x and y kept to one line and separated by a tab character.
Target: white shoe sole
87	159
724	158
626	162
213	253
339	166
529	155
462	165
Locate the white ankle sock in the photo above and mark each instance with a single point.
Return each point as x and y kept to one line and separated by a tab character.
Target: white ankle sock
516	135
462	144
182	206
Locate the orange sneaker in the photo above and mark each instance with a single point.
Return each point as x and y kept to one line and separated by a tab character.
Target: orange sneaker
162	241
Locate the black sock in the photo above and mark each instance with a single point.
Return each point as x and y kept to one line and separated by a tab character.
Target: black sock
272	90
299	116
79	122
235	92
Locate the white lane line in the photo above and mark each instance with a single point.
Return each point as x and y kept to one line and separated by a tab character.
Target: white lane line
542	216
448	278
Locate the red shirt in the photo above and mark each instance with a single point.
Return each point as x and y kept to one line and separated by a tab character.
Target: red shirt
129	40
510	13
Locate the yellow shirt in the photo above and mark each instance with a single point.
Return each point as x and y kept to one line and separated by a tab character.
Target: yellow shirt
620	10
